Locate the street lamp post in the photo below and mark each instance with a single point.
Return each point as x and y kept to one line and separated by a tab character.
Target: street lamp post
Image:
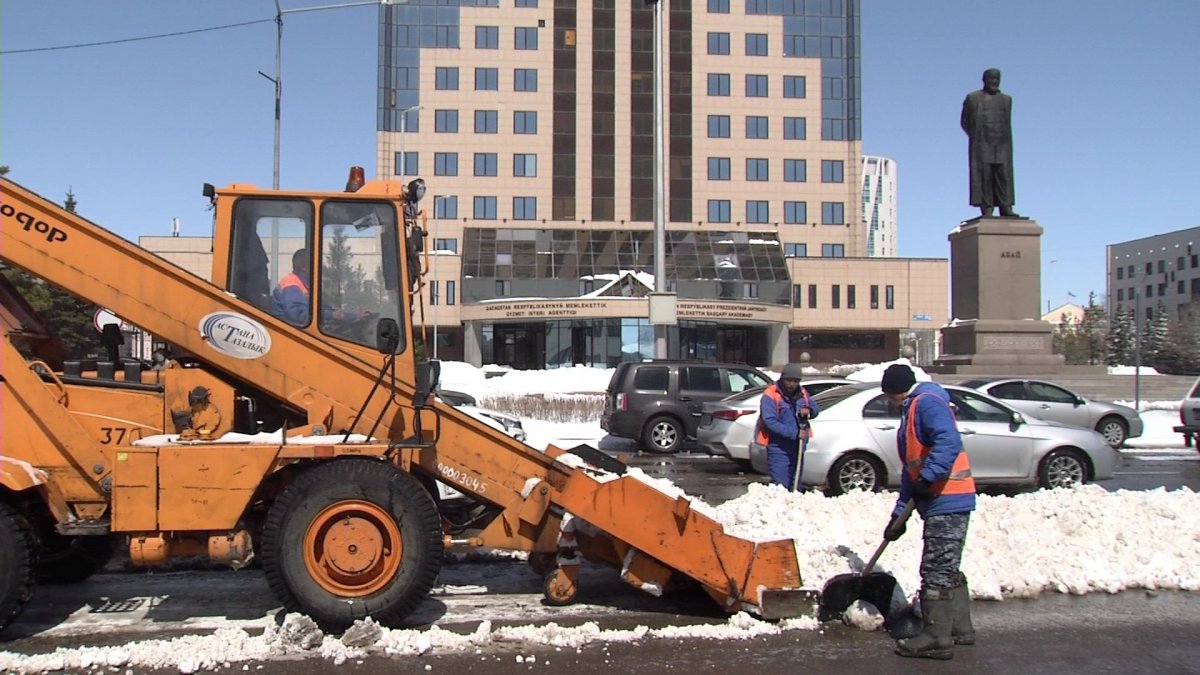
403	129
278	81
441	291
1137	346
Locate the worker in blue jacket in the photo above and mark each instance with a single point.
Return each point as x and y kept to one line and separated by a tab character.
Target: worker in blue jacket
783	423
936	475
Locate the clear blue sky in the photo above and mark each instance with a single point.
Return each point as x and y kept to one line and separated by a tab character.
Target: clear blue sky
1104	105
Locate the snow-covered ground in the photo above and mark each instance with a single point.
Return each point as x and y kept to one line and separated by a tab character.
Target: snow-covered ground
1067	541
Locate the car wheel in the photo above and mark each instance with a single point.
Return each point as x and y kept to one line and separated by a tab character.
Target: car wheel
855	471
662	434
1113	430
1062	468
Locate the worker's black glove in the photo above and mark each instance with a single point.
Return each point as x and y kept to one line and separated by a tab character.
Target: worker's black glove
895	528
921	489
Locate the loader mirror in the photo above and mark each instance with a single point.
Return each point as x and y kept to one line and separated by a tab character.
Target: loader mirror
387	336
428	373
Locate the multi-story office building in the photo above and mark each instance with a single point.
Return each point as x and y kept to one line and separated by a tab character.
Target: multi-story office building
532	123
879	205
1158	271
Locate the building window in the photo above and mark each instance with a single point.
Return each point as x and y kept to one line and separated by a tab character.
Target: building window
450	245
812	296
524	208
756	86
487	79
525	121
451	289
1129	271
718	43
890	297
757	211
445	207
851	300
795	250
1179	263
445	121
503	287
797	295
485	164
718	168
1149	268
718	6
485	208
1162	290
1149	290
718	126
718	211
445	79
795	213
718	84
407	164
749	290
756	127
833	250
525	79
1162	266
1195	260
487	37
833	213
793	86
835	296
445	163
756	44
525	165
1120	294
1120	273
757	169
525	38
795	170
486	121
1181	287
874	296
433	294
832	171
795	128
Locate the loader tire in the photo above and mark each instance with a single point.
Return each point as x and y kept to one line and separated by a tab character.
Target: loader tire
352	538
18	562
70	560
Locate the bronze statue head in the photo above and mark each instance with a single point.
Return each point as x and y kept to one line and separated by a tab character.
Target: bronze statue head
991	80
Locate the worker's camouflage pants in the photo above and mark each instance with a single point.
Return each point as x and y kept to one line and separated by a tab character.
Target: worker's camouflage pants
944	538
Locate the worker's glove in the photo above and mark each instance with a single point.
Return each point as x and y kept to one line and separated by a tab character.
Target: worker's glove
895	528
921	489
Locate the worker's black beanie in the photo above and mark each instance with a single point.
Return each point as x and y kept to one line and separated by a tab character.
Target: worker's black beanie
898	379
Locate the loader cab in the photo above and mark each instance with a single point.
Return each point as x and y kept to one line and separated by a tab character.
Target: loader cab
327	263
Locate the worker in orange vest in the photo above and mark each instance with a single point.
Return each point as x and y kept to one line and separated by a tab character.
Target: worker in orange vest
783	416
936	474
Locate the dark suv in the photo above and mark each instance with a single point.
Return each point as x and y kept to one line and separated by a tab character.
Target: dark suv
660	402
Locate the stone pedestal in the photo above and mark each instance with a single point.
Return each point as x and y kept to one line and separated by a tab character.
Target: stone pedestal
996	290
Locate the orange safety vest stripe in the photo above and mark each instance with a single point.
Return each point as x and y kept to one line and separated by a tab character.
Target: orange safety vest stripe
760	432
958	482
294	279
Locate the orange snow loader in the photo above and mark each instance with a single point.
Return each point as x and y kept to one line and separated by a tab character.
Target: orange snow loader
296	423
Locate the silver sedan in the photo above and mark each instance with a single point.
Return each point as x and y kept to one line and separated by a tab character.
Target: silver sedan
727	426
1053	402
854	444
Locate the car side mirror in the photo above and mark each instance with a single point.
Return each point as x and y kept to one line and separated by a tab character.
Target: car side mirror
387	336
1018	419
1079	401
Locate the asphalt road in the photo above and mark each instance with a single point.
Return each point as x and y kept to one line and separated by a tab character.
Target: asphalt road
1124	633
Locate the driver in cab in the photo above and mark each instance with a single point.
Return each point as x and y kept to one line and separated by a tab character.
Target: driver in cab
290	299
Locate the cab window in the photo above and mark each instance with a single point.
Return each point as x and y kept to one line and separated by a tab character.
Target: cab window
359	243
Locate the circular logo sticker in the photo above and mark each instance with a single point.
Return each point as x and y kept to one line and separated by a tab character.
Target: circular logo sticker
235	335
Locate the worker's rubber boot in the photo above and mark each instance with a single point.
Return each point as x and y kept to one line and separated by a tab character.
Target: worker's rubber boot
935	641
963	632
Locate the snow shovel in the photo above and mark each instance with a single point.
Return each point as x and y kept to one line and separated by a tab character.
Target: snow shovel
874	587
804	429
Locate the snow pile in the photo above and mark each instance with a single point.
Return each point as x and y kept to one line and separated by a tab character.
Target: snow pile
459	376
1131	370
873	372
1069	541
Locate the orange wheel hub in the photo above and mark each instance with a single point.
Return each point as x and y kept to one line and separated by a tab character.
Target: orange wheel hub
353	548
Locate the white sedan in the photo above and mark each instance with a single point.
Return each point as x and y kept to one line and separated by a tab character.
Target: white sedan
854	444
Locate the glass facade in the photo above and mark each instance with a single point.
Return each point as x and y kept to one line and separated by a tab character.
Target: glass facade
549	263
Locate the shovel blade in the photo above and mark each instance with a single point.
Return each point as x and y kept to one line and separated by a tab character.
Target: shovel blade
787	603
844	590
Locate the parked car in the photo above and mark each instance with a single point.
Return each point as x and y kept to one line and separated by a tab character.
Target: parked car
509	424
854	444
727	426
1050	401
659	401
1189	416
